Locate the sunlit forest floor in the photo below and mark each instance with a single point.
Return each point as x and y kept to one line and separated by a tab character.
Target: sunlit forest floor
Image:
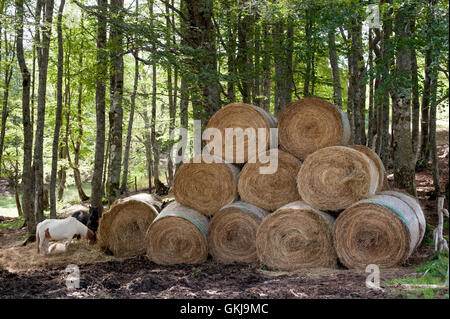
24	274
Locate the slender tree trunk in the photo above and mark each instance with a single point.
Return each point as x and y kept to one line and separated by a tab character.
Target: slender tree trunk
403	159
424	155
244	64
267	69
42	91
27	169
116	111
433	143
257	100
58	115
415	96
283	45
100	92
386	65
123	187
337	93
172	106
371	130
155	147
309	53
231	58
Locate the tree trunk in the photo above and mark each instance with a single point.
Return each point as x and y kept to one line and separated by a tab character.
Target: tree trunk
123	187
267	69
283	47
231	58
244	64
403	159
40	122
309	53
433	143
337	93
371	130
58	115
100	92
155	147
424	155
27	169
172	106
116	111
415	96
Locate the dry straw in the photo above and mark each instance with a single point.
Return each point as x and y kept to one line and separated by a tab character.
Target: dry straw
270	191
309	124
178	236
232	233
382	230
296	236
335	177
241	115
122	229
206	186
382	181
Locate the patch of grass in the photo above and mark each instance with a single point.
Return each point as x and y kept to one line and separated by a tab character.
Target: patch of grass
15	223
428	239
432	272
196	271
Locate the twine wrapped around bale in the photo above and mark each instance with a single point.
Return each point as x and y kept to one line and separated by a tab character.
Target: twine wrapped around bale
382	182
177	236
244	116
270	191
232	233
296	236
309	124
415	206
382	230
204	185
122	229
335	177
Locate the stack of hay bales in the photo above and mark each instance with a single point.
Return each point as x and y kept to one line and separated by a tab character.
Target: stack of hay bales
284	219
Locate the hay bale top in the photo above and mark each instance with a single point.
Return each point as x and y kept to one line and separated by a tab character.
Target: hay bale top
241	115
309	124
152	200
122	229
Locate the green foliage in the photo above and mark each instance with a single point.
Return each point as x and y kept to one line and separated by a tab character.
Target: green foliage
432	272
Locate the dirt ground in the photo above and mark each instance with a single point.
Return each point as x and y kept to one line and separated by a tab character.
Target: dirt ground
24	274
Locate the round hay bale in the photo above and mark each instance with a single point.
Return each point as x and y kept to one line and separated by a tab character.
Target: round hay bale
296	236
415	206
309	124
381	230
335	177
178	236
204	185
243	116
382	181
232	233
270	191
122	229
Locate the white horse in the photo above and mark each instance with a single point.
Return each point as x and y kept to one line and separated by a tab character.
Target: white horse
58	229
